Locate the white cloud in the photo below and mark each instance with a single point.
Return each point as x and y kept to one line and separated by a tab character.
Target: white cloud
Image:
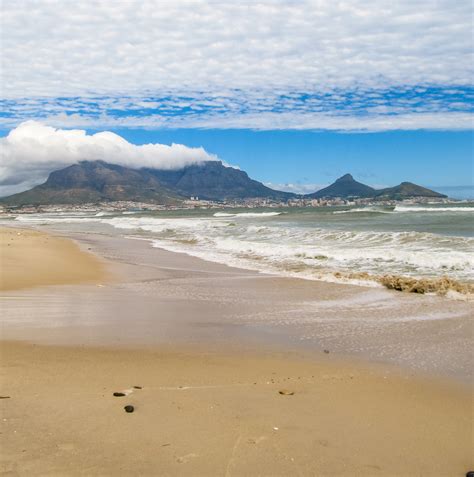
60	48
235	58
298	188
267	120
32	150
306	188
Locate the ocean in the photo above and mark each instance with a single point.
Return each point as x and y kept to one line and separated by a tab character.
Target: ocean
339	244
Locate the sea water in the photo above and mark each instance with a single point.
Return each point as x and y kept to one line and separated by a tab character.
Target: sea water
325	243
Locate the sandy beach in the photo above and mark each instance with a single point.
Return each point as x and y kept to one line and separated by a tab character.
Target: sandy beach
30	258
201	413
374	383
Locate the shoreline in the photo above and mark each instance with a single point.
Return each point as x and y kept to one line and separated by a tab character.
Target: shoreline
31	258
211	347
439	282
207	303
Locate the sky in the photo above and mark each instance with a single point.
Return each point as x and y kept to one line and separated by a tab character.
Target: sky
296	93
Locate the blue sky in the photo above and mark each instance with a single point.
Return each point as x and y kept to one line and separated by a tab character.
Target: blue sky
295	93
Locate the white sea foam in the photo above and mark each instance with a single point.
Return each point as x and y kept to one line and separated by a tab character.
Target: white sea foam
299	244
403	208
364	210
309	252
59	218
247	214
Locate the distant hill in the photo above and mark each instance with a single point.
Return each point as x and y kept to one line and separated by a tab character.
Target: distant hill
97	181
344	187
212	180
406	190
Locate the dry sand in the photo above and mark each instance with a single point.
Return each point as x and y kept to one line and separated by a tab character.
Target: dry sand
31	258
203	410
201	413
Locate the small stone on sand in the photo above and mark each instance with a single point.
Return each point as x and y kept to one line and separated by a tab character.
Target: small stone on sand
137	387
285	392
129	408
326	351
119	394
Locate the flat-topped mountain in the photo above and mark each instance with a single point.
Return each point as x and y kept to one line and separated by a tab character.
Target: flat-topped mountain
98	181
345	186
95	181
212	180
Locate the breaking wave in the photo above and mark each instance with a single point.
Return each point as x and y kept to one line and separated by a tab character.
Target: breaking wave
403	208
247	214
307	245
363	257
365	210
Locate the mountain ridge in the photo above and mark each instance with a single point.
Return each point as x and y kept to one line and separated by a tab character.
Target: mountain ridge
100	181
97	181
213	181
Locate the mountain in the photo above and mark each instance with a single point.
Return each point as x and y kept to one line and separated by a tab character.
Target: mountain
95	181
406	190
344	187
212	180
99	181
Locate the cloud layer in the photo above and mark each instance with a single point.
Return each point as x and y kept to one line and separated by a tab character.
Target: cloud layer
32	150
312	64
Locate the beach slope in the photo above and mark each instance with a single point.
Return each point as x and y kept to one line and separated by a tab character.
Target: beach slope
31	258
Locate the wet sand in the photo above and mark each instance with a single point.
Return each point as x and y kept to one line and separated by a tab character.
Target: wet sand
31	258
159	297
211	347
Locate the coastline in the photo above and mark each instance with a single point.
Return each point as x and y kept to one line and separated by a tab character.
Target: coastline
162	297
32	258
196	336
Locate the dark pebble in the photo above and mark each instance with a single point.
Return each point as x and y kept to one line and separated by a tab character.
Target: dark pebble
470	473
119	394
4	397
129	408
137	387
326	351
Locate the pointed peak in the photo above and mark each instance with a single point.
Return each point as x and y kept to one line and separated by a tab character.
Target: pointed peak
345	178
